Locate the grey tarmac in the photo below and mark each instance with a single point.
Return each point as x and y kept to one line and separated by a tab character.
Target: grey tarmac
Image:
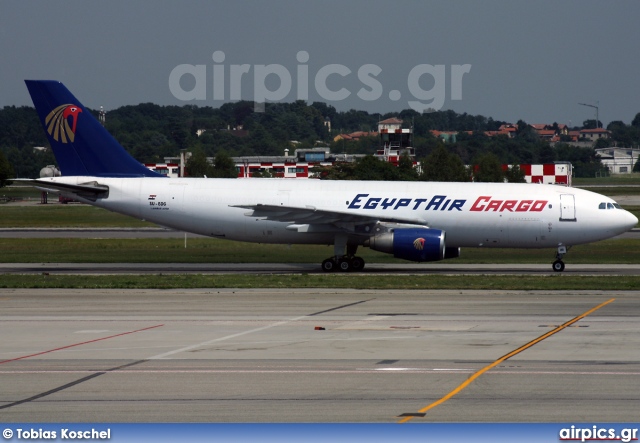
316	355
408	268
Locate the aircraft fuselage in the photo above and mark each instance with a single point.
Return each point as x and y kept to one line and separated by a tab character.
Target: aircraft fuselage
471	214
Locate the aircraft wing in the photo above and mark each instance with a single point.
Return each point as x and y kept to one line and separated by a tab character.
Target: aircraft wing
314	216
90	190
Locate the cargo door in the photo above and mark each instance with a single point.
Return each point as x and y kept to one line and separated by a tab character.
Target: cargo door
567	207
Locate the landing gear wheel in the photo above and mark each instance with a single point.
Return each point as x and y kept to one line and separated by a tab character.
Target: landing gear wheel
558	266
329	265
344	264
357	264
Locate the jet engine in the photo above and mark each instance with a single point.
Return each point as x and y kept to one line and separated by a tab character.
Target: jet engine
415	244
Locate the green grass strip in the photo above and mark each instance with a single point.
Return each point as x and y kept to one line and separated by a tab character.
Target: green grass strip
554	282
65	216
205	250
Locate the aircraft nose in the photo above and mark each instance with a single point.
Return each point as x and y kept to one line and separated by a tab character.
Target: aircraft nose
629	220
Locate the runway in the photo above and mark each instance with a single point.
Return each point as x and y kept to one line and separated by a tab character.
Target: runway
447	268
317	355
158	232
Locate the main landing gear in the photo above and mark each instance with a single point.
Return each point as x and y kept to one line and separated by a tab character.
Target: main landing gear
343	262
558	265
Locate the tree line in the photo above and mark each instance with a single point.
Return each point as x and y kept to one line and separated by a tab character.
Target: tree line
150	132
439	165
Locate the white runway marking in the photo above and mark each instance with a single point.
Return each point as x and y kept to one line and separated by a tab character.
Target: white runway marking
216	340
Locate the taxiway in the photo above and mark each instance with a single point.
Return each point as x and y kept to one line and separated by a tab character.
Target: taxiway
317	355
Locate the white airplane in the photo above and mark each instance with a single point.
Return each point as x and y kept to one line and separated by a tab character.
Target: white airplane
417	221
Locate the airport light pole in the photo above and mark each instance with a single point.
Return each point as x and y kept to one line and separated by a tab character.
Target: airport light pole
597	113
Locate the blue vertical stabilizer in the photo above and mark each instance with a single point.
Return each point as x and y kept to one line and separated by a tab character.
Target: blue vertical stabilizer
81	145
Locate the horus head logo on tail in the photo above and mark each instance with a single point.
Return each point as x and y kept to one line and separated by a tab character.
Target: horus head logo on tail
418	243
57	123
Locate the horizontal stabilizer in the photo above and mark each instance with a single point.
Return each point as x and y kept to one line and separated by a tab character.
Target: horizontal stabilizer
90	191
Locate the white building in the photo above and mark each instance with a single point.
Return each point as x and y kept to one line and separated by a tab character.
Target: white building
618	160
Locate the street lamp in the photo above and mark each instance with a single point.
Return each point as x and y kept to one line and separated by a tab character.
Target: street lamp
594	106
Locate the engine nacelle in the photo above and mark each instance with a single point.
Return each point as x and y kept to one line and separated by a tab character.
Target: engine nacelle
417	244
451	252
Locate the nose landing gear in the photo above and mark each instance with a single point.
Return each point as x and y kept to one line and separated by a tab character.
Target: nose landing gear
558	265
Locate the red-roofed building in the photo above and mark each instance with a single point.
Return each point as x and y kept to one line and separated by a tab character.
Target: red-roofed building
575	135
508	129
551	132
354	136
546	134
594	134
390	124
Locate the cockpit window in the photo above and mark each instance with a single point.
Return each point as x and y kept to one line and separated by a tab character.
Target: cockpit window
605	205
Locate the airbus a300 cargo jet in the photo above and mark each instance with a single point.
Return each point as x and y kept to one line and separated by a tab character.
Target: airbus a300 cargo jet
417	221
